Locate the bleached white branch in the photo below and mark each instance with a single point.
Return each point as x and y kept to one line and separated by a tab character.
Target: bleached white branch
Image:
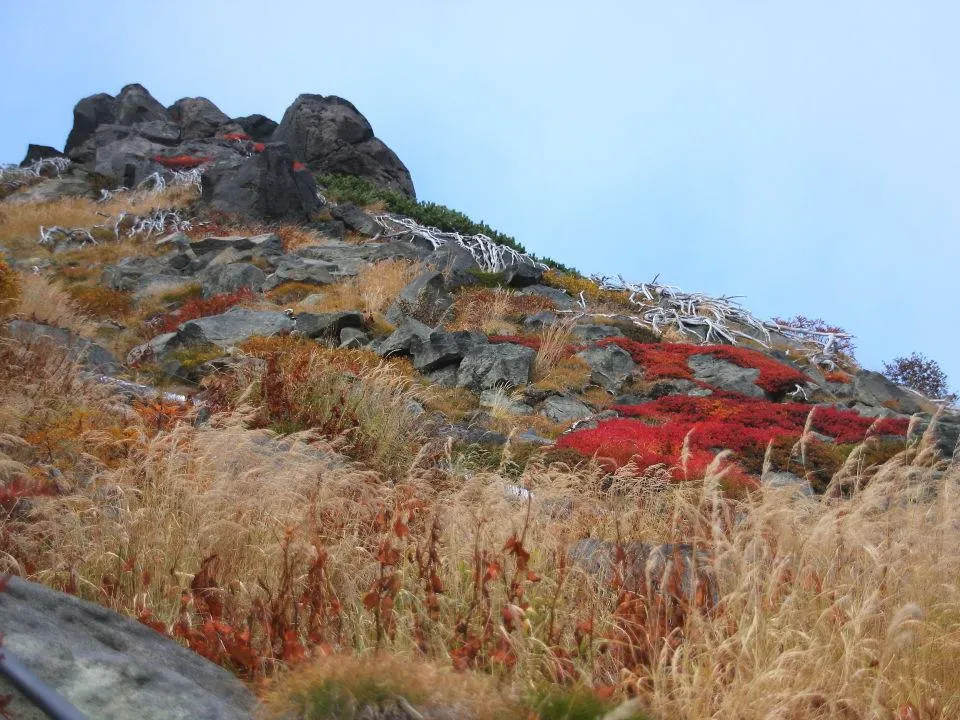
490	256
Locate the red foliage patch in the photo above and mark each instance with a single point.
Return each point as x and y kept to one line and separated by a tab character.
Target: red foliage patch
838	376
259	147
298	166
238	136
201	307
181	162
669	360
654	432
530	341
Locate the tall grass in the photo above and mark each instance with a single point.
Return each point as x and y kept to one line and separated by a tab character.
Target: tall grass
260	550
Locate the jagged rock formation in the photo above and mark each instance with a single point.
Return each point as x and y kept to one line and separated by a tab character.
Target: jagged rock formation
249	161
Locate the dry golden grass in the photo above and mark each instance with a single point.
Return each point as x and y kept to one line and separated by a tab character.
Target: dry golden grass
20	223
843	606
371	291
570	373
494	311
9	288
45	301
554	339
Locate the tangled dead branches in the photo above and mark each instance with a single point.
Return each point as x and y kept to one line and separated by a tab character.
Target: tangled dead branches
489	255
158	182
13	177
123	225
718	319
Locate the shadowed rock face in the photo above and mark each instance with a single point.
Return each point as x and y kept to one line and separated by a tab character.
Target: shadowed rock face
112	667
331	136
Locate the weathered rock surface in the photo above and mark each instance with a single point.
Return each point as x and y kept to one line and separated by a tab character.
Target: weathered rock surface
403	339
198	118
77	348
327	325
725	375
425	298
331	136
500	365
111	667
231	277
355	219
565	409
609	366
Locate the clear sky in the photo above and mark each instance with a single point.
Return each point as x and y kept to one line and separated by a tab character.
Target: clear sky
805	155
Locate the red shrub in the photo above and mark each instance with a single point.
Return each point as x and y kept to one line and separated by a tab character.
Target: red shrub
259	147
238	136
298	166
530	341
661	360
181	162
654	432
838	376
201	307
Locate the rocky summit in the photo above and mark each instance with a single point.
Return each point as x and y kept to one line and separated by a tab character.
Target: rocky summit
278	439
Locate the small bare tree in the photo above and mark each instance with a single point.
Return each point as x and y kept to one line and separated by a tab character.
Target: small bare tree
918	373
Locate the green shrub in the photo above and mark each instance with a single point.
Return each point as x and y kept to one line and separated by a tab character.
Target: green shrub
348	188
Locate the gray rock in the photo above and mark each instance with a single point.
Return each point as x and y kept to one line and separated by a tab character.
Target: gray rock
88	115
539	320
260	128
294	269
355	219
872	388
725	375
592	333
77	348
331	136
609	366
197	117
266	244
327	325
456	264
496	398
129	160
425	299
402	340
565	409
645	564
945	434
445	377
344	259
111	667
232	327
659	389
159	131
231	277
783	479
264	186
176	240
441	348
136	105
353	338
39	152
560	298
128	274
490	366
73	185
521	274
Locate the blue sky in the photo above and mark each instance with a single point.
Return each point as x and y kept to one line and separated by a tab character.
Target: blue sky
805	155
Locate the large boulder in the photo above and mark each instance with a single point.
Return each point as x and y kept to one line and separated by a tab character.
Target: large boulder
492	366
135	104
259	127
425	298
610	366
327	326
198	117
401	342
89	114
875	390
228	278
39	152
331	136
726	376
111	667
231	328
441	348
565	409
355	219
264	186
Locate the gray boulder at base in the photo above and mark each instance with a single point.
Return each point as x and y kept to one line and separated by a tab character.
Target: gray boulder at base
441	348
725	375
522	274
291	268
609	366
232	327
266	244
231	277
331	136
111	667
592	333
80	349
490	366
564	409
425	298
263	186
783	479
403	339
